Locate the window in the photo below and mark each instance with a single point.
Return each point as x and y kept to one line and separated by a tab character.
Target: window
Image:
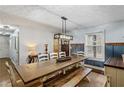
94	46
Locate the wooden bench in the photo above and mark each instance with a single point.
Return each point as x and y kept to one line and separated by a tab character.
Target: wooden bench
96	80
78	77
70	79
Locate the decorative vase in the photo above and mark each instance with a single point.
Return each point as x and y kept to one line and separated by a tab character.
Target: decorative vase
46	48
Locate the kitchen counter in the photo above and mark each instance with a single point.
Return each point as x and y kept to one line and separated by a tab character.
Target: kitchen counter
115	62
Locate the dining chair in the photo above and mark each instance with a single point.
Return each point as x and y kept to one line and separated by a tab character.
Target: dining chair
43	57
53	55
62	54
80	53
18	82
11	75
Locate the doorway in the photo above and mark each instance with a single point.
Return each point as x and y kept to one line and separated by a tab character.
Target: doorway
9	43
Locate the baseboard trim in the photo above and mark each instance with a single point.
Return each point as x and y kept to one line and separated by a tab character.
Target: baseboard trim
12	61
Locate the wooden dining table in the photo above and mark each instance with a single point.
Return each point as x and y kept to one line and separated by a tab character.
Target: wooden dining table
37	70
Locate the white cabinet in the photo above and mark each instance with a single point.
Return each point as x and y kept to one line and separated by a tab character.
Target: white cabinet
120	77
111	75
115	76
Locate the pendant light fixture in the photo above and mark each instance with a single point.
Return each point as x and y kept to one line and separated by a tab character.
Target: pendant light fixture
63	35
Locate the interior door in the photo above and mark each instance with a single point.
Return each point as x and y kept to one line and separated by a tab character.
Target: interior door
4	46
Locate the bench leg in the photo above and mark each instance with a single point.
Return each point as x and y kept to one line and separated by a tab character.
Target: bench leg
64	71
82	64
87	79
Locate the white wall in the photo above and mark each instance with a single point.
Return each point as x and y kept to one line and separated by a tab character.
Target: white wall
31	33
4	46
114	32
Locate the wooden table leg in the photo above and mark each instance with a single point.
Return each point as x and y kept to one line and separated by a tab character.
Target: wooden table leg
87	79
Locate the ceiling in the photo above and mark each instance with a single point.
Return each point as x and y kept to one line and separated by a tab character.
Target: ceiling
79	16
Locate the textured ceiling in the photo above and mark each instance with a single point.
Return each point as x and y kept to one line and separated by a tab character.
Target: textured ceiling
81	16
